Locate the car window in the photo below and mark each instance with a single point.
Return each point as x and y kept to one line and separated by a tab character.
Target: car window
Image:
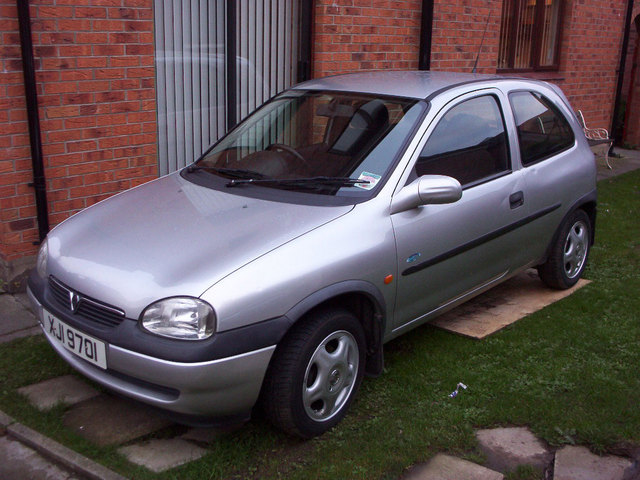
311	134
468	143
542	129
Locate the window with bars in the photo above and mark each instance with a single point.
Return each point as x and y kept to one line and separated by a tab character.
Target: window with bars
530	35
216	61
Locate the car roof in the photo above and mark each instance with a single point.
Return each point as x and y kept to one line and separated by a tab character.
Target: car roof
413	84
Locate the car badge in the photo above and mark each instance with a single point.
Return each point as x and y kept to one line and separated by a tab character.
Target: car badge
414	257
74	301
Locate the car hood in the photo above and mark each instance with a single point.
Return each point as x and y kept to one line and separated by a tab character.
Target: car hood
171	237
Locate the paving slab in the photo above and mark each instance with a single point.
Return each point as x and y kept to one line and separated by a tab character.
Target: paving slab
578	463
508	448
627	161
160	455
15	319
66	390
108	420
446	467
503	305
18	461
5	420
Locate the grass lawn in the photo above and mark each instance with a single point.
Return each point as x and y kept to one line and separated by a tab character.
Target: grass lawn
571	372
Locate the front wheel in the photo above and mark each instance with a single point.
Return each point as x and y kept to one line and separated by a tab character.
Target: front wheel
315	373
568	255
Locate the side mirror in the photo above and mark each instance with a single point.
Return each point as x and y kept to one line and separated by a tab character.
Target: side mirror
428	189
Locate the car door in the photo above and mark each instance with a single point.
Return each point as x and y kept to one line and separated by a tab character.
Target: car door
550	157
448	252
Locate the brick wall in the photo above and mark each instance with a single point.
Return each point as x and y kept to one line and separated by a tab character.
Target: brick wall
351	35
95	75
591	49
589	53
458	28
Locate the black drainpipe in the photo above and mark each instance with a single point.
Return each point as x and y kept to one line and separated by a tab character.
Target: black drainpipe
617	127
31	95
426	35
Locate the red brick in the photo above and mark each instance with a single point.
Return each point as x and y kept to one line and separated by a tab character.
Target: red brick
59	87
54	12
20	225
108	50
91	12
92	38
66	111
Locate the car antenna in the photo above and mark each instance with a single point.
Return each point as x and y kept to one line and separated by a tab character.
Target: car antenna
475	65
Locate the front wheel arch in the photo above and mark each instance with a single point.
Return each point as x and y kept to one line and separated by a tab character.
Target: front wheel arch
364	301
315	373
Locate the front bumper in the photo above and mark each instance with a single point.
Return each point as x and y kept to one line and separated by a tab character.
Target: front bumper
225	387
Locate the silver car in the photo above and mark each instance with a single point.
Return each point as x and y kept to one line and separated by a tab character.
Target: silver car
341	214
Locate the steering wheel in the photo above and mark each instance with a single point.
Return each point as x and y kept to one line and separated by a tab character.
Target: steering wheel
288	149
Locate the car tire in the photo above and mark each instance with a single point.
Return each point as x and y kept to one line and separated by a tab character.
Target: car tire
315	373
569	253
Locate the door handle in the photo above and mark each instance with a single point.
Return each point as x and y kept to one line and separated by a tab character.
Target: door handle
516	199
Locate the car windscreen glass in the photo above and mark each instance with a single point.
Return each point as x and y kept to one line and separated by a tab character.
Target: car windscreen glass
329	143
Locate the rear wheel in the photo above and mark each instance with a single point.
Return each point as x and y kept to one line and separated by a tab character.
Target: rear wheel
568	256
315	373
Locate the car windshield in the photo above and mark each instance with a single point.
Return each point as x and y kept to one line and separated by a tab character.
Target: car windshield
329	143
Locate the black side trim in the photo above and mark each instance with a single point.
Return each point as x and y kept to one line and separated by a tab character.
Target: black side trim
479	241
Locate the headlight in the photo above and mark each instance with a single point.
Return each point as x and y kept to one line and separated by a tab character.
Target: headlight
184	318
41	261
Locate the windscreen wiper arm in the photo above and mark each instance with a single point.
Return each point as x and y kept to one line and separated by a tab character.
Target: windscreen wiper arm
301	182
229	172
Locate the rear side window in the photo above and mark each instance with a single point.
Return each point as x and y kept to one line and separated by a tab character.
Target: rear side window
543	130
468	144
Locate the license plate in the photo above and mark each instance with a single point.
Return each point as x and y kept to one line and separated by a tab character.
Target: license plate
84	346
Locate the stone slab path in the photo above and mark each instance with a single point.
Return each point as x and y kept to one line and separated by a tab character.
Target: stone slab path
161	455
67	390
109	420
446	467
506	449
578	463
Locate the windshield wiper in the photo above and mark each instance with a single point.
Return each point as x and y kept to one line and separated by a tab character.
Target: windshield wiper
229	172
302	182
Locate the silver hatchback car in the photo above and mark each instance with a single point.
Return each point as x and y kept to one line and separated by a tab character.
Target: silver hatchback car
341	214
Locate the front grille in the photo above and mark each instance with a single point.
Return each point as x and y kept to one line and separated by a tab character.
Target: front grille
83	306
